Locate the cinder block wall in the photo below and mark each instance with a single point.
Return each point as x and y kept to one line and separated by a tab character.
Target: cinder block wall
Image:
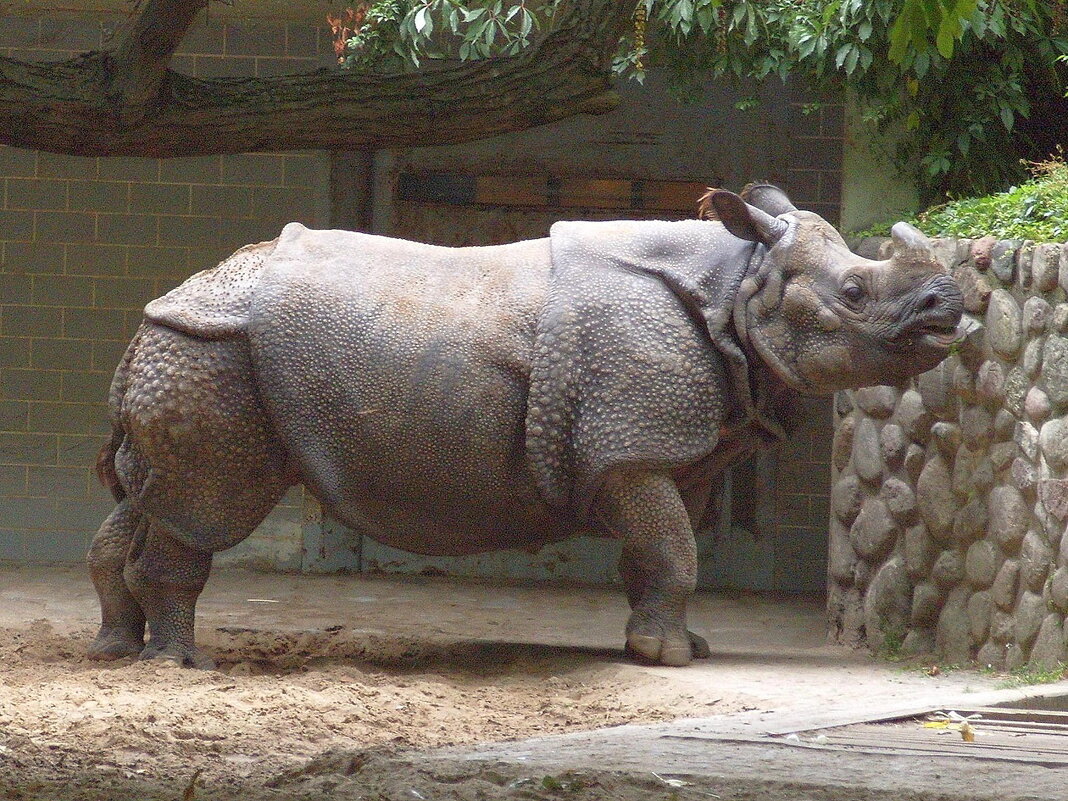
85	242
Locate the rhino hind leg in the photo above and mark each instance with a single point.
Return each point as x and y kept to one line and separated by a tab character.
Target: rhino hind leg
199	467
122	627
659	565
166	576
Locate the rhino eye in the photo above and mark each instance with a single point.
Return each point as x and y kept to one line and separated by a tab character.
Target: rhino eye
854	293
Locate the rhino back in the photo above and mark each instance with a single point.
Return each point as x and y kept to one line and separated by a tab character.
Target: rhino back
214	304
397	373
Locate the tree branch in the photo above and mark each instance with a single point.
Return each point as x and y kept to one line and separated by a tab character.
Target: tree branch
99	105
140	65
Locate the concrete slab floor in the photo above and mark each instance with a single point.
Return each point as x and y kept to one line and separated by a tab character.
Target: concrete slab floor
772	667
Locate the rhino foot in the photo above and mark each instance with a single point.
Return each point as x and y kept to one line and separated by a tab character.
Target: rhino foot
658	651
667	650
183	656
114	643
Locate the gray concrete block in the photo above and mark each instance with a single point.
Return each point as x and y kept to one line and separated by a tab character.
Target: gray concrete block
35	193
64	226
61	354
109	196
96	259
27	448
128	229
19	384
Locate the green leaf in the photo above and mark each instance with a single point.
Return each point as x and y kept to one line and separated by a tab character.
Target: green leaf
840	56
945	42
1007	117
424	24
851	59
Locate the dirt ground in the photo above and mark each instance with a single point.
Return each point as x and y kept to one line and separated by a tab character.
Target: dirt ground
334	686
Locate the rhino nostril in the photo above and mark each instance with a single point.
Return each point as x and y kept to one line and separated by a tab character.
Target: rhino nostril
930	300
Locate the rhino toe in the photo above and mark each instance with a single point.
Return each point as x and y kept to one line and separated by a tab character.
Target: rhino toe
190	657
112	644
698	646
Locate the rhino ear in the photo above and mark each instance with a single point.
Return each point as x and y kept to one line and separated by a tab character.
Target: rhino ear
745	221
767	197
909	239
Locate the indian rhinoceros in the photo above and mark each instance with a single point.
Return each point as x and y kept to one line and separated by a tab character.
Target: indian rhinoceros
457	400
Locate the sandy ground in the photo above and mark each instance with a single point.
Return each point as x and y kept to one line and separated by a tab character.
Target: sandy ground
340	686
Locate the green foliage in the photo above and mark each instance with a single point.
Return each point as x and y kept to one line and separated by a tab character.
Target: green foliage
1036	209
397	34
956	75
1027	676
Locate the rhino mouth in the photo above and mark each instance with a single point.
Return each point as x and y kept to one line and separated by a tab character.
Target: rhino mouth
945	336
934	335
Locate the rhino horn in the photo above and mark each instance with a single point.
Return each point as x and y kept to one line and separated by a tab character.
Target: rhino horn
909	239
767	197
745	221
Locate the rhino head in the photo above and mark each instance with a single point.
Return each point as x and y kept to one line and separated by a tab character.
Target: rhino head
824	318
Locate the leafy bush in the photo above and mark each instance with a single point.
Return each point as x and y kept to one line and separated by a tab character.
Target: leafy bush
1035	210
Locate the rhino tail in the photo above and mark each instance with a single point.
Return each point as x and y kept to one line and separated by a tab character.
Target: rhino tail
105	459
105	464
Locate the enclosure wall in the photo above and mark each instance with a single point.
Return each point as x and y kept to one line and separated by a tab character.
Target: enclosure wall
86	242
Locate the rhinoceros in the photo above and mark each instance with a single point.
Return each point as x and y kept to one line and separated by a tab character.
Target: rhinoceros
459	400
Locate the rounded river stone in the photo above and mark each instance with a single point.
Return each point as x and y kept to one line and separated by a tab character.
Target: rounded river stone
877	401
874	531
1049	648
1036	405
1029	615
1004	324
893	442
1058	589
926	604
846	498
980	610
1053	438
886	604
948	570
1008	515
842	444
1055	369
1044	267
867	452
1037	314
990	382
934	498
1004	589
899	498
981	563
976	427
913	417
1036	559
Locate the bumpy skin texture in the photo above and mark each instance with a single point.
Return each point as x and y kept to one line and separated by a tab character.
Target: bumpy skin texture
452	401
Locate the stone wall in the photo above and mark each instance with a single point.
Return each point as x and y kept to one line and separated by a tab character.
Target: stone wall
950	497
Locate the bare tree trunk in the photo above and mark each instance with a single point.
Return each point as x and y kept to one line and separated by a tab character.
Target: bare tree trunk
127	102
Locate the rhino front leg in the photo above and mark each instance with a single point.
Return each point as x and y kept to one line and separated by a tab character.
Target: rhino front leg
122	624
635	582
166	577
659	565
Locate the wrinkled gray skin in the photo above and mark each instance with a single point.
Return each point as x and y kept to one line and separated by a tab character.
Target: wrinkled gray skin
451	401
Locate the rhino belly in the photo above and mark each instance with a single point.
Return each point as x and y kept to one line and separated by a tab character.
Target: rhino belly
405	412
